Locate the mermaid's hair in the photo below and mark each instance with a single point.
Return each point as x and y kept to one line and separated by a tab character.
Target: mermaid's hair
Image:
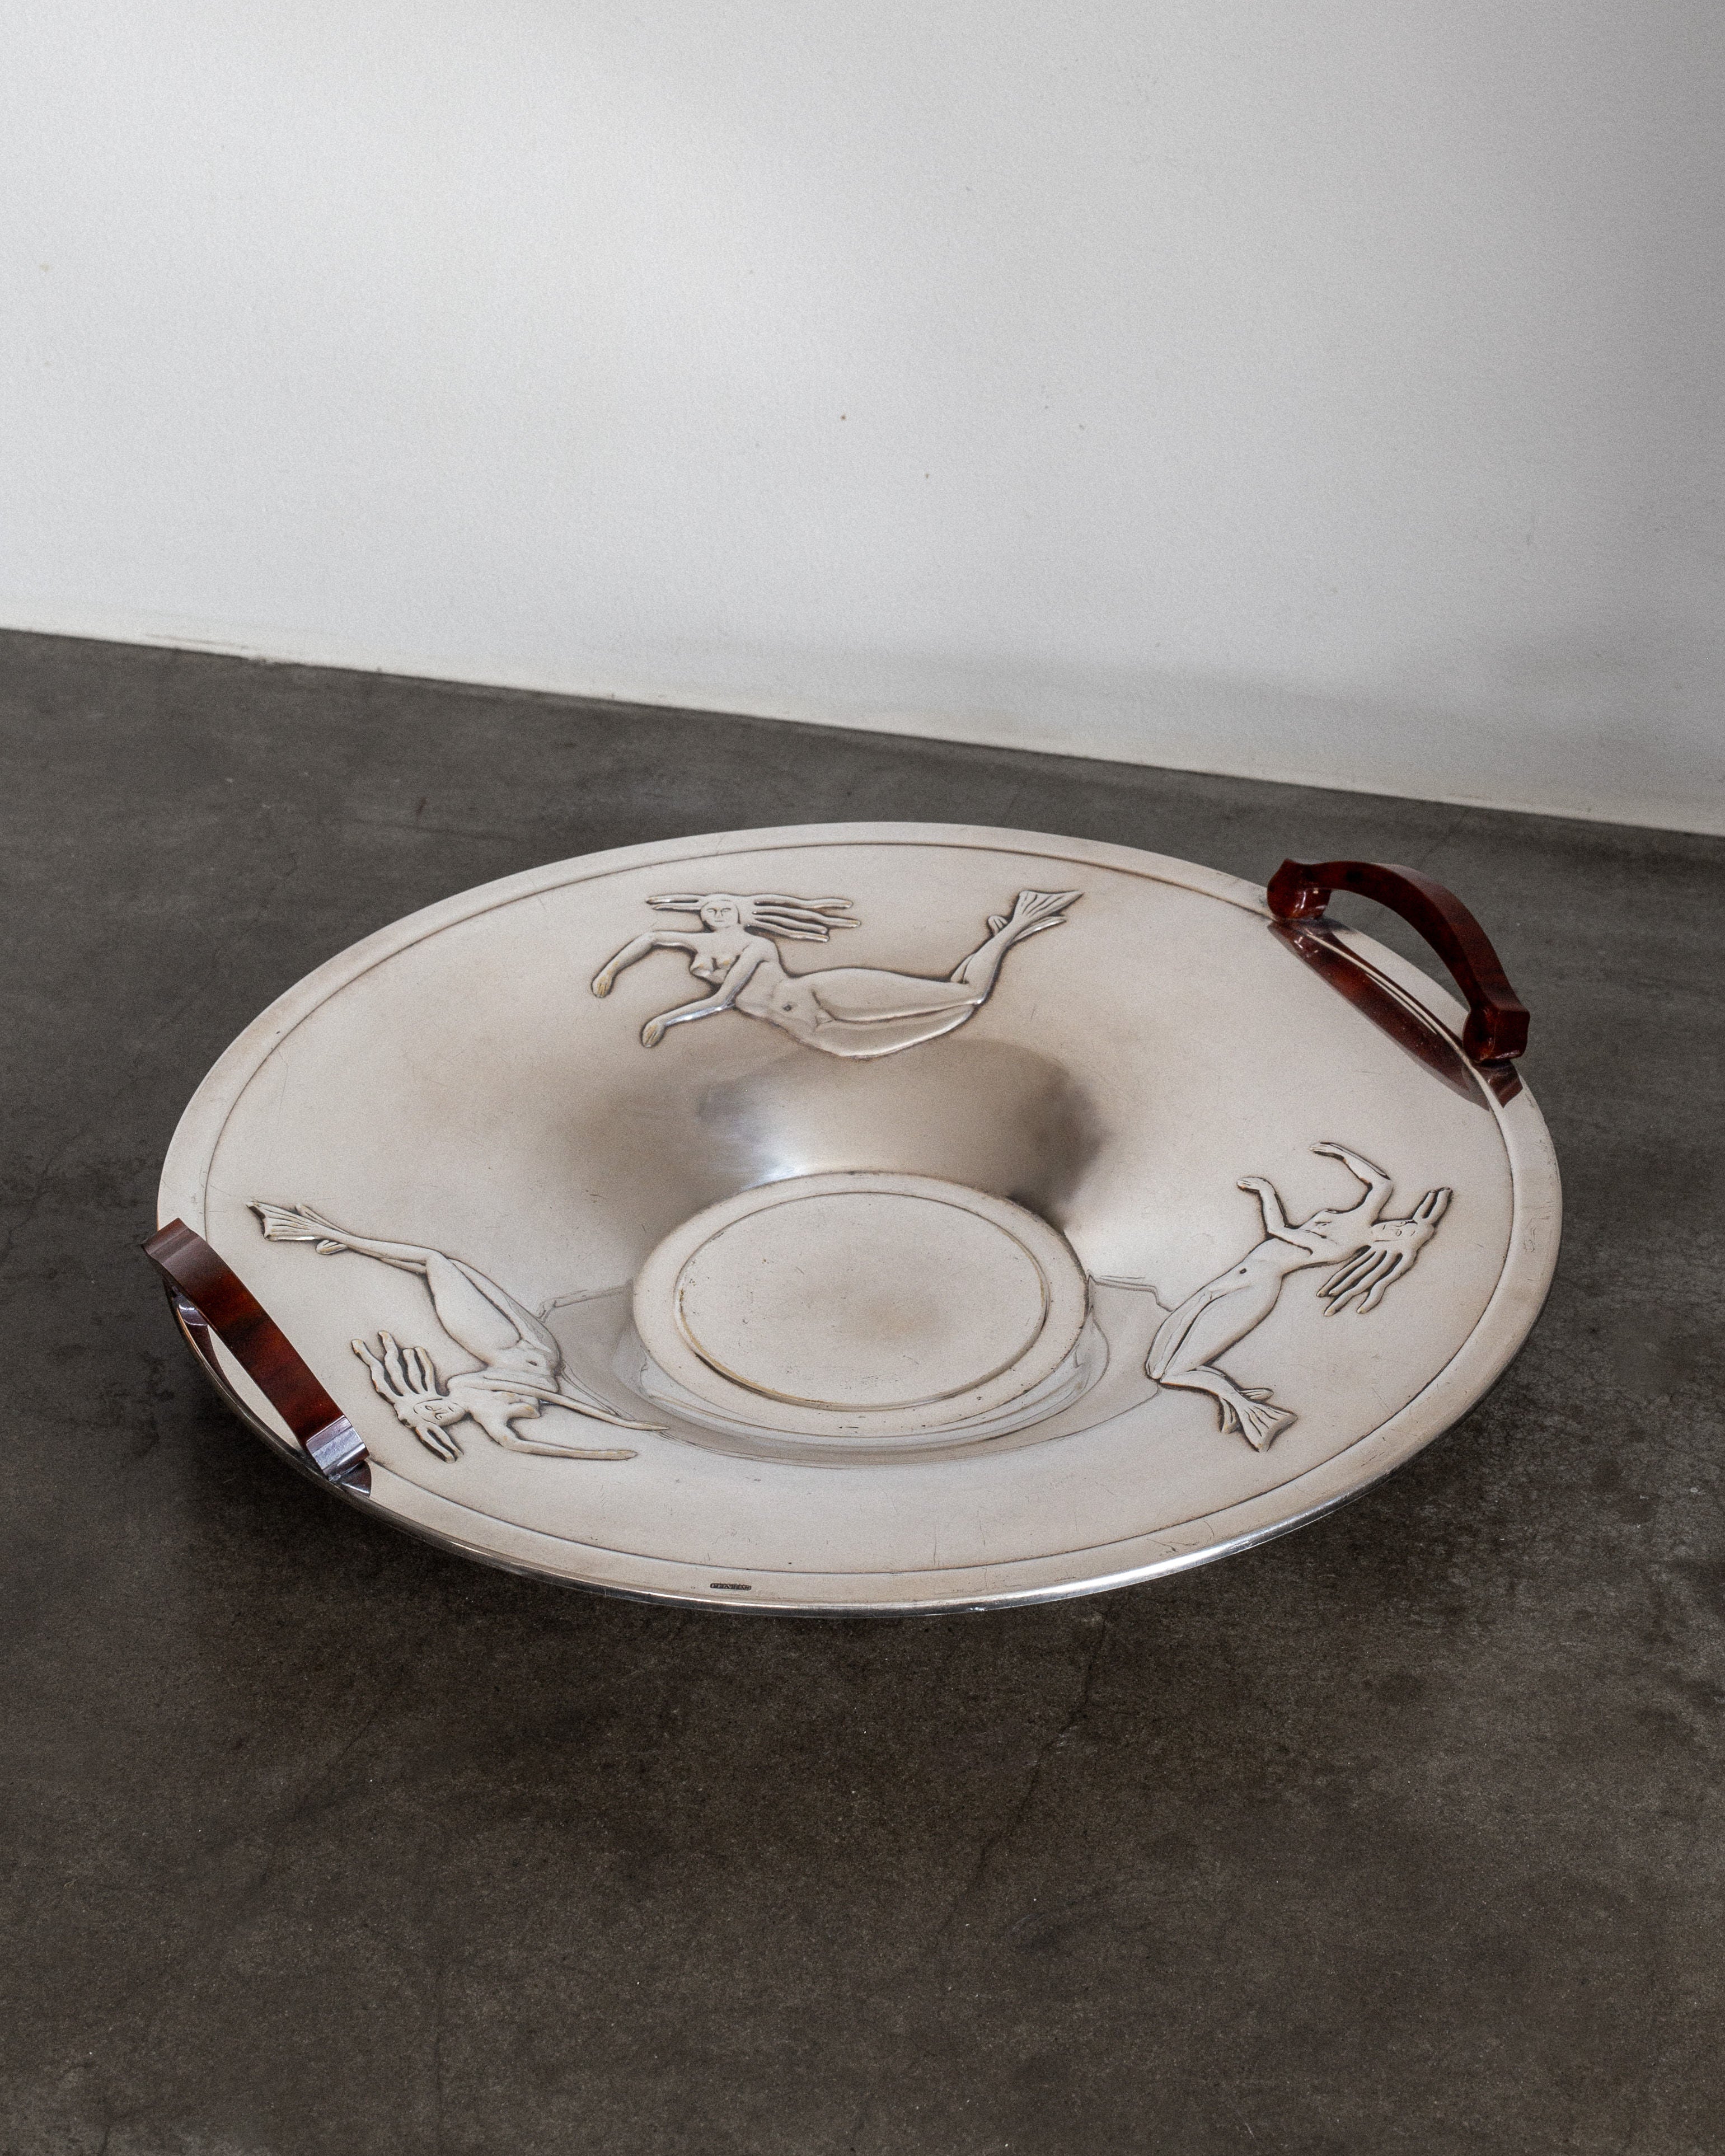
771	913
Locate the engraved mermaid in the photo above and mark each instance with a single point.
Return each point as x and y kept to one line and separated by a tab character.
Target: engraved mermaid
853	1011
521	1365
1368	1254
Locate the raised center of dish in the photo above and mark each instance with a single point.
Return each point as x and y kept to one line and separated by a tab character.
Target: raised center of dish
863	1300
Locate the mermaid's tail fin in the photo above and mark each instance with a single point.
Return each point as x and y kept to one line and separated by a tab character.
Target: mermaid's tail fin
298	1224
1251	1416
1033	910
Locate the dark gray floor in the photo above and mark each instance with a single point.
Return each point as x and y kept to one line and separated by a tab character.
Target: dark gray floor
1402	1834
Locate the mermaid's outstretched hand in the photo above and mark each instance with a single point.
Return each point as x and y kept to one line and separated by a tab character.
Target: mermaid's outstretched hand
1390	1248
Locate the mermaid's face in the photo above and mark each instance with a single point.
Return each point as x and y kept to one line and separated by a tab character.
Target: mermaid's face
437	1413
721	913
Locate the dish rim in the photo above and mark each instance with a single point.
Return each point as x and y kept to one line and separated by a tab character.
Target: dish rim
1512	1309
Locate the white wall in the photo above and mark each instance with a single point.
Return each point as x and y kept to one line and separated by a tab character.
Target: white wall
1326	390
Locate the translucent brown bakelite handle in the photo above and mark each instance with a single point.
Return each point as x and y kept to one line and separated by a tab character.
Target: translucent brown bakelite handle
208	1296
1496	1026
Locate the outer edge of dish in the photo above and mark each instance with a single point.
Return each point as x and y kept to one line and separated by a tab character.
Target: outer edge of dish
1482	1358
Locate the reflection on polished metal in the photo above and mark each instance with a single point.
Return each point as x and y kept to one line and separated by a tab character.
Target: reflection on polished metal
887	1332
858	1313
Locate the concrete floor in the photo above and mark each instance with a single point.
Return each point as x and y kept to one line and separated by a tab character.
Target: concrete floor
1402	1834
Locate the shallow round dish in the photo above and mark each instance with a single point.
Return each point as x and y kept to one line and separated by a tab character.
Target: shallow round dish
867	1217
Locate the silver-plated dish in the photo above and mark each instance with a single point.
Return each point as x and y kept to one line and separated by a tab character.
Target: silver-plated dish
995	1217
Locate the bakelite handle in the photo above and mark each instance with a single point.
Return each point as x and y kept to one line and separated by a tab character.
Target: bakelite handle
209	1297
1496	1026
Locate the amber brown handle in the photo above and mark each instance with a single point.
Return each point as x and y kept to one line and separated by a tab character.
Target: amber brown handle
1496	1026
209	1297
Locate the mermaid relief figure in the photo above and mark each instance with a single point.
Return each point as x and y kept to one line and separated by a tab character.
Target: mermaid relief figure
521	1364
854	1011
1367	1253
